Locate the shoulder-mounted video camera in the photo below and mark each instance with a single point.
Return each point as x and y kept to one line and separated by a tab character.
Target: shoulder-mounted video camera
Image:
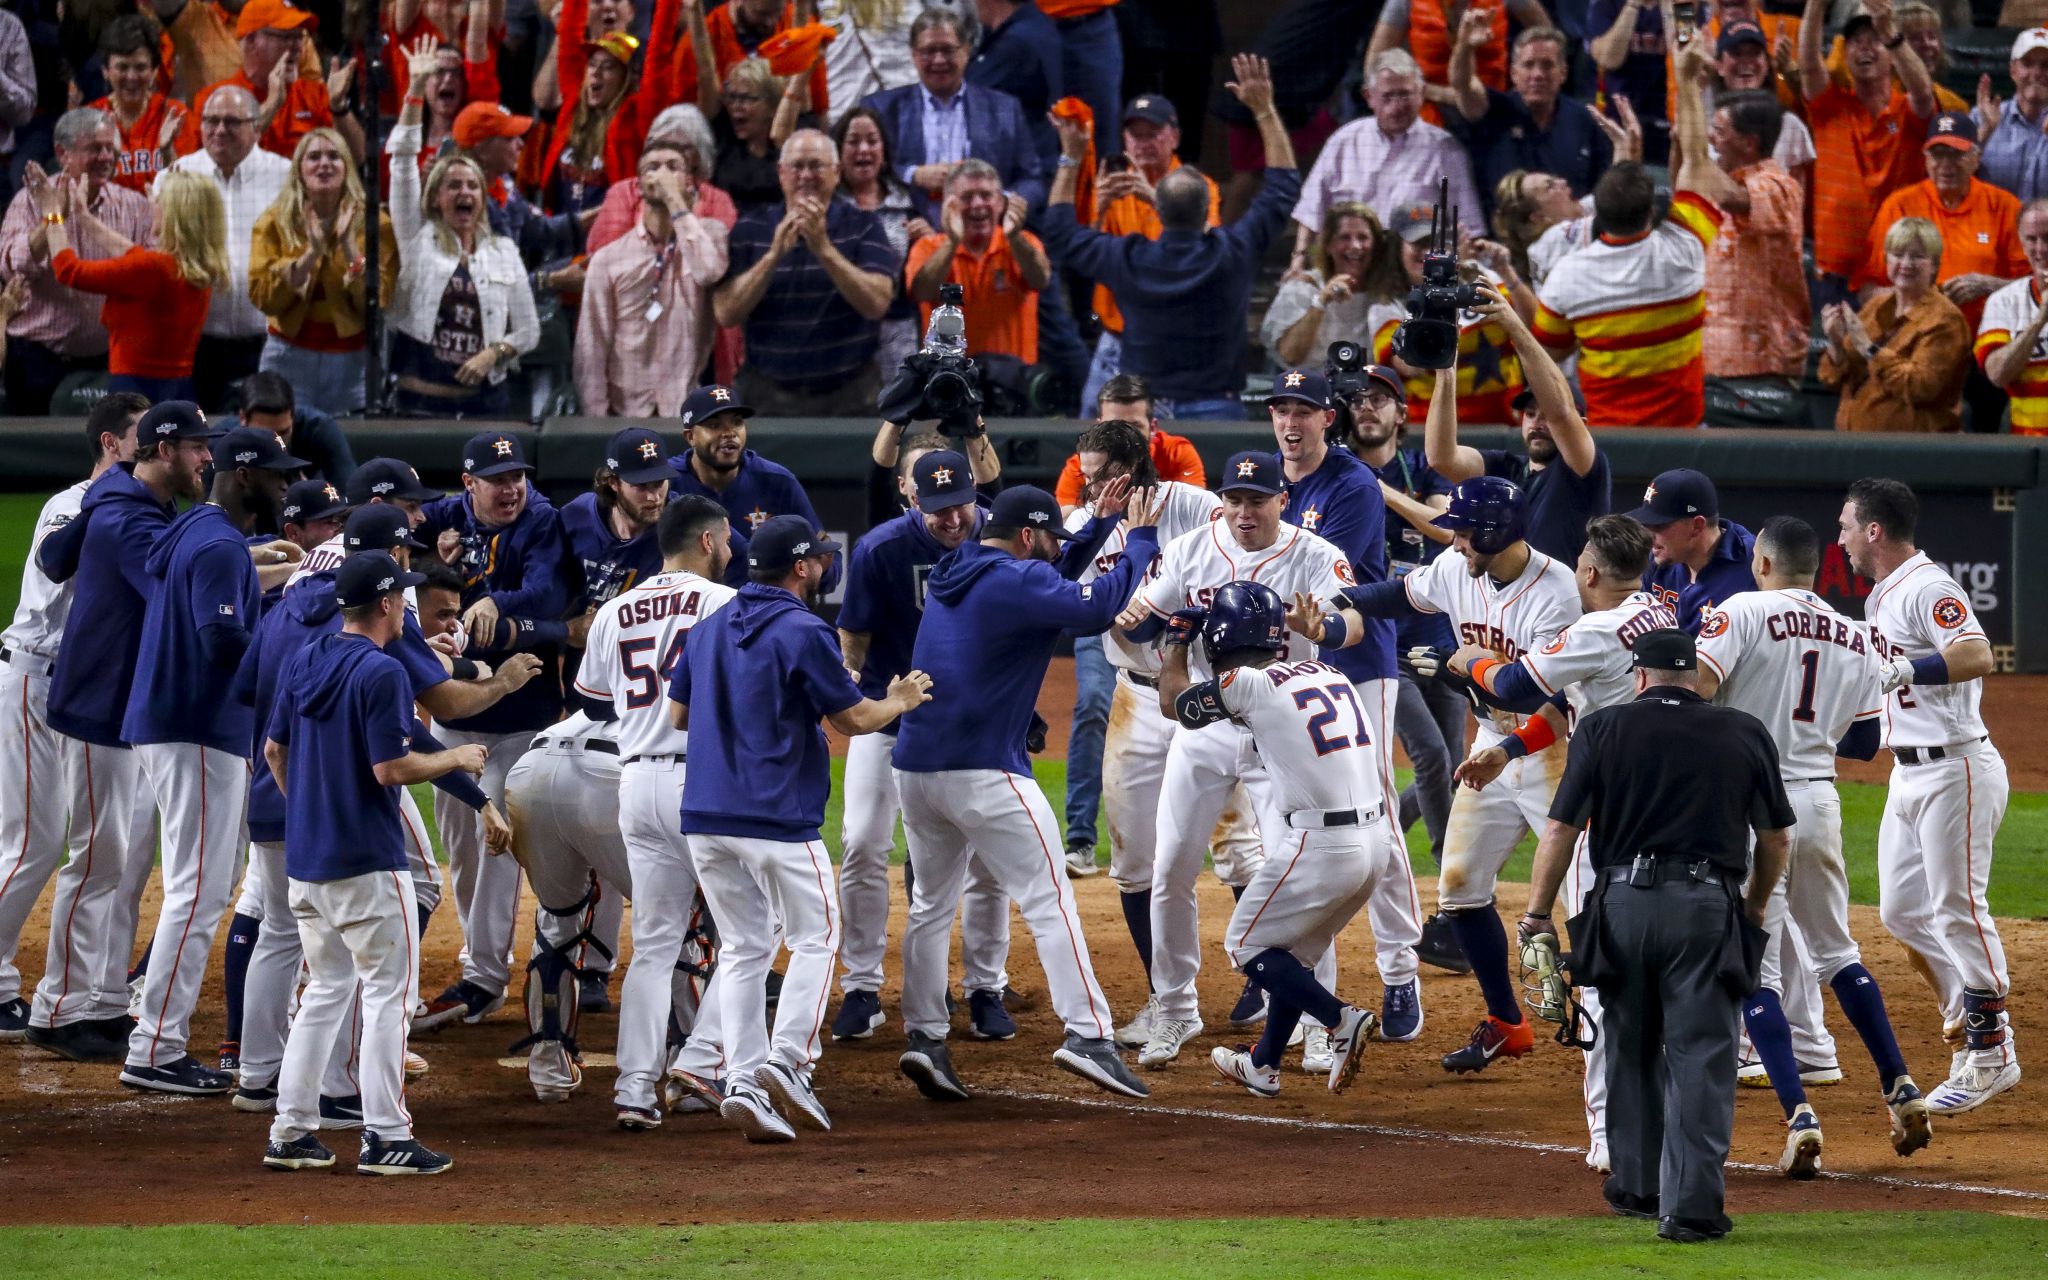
1428	339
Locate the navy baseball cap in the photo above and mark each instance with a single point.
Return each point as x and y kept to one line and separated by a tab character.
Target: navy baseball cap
1253	470
310	500
382	527
254	447
176	420
1678	495
1952	129
781	542
1526	399
390	479
1737	34
368	577
1388	377
1153	108
1028	507
635	456
1306	385
711	399
493	453
943	480
1665	649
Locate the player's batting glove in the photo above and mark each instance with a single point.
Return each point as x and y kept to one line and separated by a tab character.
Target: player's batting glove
1184	625
1034	735
1893	674
1424	662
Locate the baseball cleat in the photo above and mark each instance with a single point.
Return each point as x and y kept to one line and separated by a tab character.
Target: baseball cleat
1972	1087
186	1075
1598	1160
1440	947
465	1001
135	988
1316	1057
1250	1009
254	1098
1752	1074
1912	1128
793	1096
859	1014
559	1091
14	1021
415	1065
1081	861
1401	1012
1138	1031
1168	1035
748	1111
1491	1039
231	1057
341	1113
403	1157
638	1119
1347	1046
1235	1065
78	1041
686	1092
1097	1062
929	1066
591	995
987	1018
1801	1158
304	1152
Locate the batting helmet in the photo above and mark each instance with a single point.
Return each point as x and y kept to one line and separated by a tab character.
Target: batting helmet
1490	509
1244	615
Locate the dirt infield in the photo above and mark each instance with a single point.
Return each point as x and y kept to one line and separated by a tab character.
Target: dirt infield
1407	1140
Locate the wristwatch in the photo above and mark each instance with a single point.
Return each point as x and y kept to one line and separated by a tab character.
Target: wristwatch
1068	162
1898	38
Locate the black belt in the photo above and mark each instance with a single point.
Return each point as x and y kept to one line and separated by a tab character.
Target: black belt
1928	755
659	758
28	661
600	745
1324	819
1664	870
1143	682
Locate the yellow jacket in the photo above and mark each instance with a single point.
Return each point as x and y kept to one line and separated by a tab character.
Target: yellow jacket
340	301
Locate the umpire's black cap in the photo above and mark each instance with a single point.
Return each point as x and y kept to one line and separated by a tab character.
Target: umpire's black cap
391	479
381	527
781	542
1665	649
368	577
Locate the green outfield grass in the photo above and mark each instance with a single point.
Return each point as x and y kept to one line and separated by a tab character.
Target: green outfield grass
1763	1247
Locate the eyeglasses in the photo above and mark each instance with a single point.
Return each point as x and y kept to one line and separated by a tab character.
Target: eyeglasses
807	166
937	51
225	122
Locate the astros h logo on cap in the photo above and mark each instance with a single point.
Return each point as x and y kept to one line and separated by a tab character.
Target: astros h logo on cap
1247	469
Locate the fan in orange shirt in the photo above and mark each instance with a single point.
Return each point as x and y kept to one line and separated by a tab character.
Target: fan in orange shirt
272	34
148	121
985	250
1127	398
710	44
1979	223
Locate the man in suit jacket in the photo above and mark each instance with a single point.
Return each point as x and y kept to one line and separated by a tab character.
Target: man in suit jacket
942	120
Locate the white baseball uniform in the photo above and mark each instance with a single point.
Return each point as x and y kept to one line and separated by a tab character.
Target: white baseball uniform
1940	816
1203	764
632	649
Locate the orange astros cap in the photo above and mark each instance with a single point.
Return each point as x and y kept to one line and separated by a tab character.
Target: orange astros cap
271	15
482	120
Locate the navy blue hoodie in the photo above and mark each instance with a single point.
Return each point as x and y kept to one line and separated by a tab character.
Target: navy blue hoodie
343	708
524	567
194	633
990	624
105	549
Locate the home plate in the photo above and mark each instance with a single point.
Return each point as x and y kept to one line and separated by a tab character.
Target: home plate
588	1060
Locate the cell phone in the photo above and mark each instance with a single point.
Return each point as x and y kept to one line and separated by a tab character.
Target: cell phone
1686	13
1118	163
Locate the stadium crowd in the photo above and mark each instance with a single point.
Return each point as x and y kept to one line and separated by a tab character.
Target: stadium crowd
592	206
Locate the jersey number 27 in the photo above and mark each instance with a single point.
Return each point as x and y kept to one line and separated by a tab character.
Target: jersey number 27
1327	697
648	682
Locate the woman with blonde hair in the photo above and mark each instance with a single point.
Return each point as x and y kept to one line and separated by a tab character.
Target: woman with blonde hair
307	268
463	309
156	298
1900	362
1353	263
1532	209
758	111
605	109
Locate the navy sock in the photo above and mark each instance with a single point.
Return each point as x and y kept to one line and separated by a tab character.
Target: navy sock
1864	1004
909	881
1484	939
141	968
1288	981
426	914
235	968
1138	919
1281	1018
1237	892
1772	1036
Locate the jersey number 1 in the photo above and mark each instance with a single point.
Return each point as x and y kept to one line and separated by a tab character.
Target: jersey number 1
1809	666
1328	696
648	682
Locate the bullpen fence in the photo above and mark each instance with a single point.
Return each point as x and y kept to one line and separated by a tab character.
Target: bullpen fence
1984	511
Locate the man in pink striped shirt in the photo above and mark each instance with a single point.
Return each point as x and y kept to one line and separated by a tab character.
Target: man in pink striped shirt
645	330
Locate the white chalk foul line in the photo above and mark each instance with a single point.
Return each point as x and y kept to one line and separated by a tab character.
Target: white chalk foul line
1479	1140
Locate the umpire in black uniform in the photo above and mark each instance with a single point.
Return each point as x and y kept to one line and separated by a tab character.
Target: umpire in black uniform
1673	786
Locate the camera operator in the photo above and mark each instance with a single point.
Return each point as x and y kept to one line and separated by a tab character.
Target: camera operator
1562	472
1489	376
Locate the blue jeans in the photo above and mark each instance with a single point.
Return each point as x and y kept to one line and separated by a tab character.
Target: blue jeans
154	390
1220	409
1092	66
330	381
1094	685
1429	718
1108	362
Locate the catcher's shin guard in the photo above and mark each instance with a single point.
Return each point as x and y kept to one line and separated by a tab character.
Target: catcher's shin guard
552	1008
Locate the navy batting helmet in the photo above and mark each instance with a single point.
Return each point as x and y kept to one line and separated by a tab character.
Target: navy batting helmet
1244	615
1490	509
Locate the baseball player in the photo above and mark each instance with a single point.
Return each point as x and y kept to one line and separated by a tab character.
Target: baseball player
878	623
1948	788
1811	676
339	746
1316	741
1248	542
35	805
1503	595
507	543
192	738
719	466
1337	497
635	642
994	610
760	674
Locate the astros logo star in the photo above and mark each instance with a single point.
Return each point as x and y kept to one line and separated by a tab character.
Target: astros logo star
720	393
503	448
1309	519
1294	379
942	475
649	450
756	518
1650	494
1247	469
330	493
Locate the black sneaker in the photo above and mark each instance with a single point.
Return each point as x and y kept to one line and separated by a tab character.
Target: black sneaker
989	1019
1250	1009
859	1014
1692	1230
13	1021
592	995
929	1066
255	1098
78	1041
1440	946
186	1075
1098	1062
405	1156
465	1001
341	1113
304	1153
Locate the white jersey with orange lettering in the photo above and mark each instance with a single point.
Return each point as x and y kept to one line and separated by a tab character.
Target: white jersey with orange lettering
1184	508
1919	610
1591	660
1789	659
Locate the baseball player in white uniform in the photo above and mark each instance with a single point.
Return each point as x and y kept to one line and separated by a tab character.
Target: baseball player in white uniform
1247	542
1811	676
632	648
1504	596
1948	788
36	761
1310	729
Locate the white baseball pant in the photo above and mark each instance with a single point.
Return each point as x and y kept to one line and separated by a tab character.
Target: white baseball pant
202	795
486	887
94	911
1307	891
255	897
750	883
362	930
32	802
868	835
1933	866
1808	919
274	969
1579	883
1395	908
1485	826
1135	746
1006	822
